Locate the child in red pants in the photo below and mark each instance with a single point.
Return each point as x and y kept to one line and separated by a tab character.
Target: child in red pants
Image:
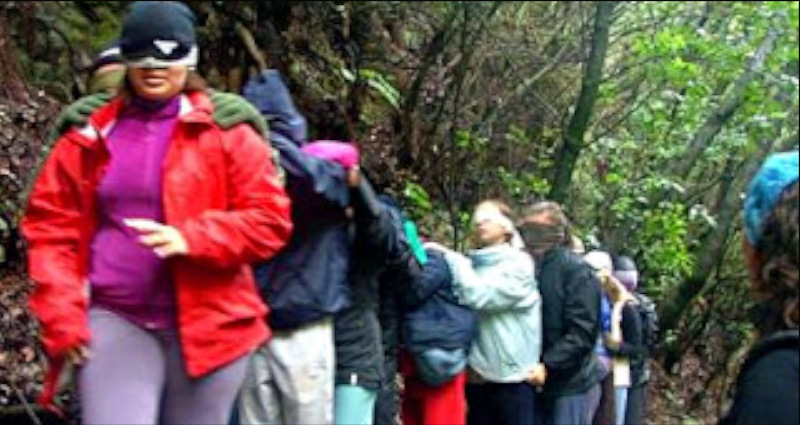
427	405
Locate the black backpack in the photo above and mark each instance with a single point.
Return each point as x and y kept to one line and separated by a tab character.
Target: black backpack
650	323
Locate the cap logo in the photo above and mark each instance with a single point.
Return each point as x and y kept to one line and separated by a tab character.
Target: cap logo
166	46
114	51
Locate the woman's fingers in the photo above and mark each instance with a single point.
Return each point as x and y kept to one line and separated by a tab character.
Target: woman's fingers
354	177
169	250
78	356
538	376
166	241
155	240
144	225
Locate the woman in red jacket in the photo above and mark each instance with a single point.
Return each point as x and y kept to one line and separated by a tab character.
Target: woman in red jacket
141	227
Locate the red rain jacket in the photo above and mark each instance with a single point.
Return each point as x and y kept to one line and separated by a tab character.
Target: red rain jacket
220	190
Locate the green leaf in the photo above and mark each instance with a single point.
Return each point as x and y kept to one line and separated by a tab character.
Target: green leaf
418	197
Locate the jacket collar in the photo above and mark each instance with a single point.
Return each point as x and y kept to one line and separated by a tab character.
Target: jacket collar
491	255
552	255
196	108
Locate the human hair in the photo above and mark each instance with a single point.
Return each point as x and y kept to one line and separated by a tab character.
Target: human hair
505	210
555	215
501	206
616	290
776	283
553	210
195	82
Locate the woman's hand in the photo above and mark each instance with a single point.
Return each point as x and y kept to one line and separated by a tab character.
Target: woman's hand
612	343
166	241
77	356
538	376
354	177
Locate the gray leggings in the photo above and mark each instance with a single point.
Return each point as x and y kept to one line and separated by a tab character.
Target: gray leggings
138	377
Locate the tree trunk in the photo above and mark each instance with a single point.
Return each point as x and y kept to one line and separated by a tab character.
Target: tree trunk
437	45
730	104
711	248
676	304
576	131
12	85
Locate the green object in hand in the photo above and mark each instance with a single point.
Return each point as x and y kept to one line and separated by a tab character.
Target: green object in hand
231	110
412	234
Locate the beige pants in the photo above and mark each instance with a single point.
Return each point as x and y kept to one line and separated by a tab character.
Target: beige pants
291	379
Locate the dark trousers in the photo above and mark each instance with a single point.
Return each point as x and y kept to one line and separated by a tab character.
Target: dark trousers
387	406
501	404
637	406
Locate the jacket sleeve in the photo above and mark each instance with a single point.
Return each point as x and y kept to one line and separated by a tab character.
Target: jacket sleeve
511	292
379	241
257	224
433	275
401	273
269	94
405	275
311	179
52	228
632	334
581	320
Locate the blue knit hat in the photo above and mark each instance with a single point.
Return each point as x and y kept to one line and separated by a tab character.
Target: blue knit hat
778	173
159	34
